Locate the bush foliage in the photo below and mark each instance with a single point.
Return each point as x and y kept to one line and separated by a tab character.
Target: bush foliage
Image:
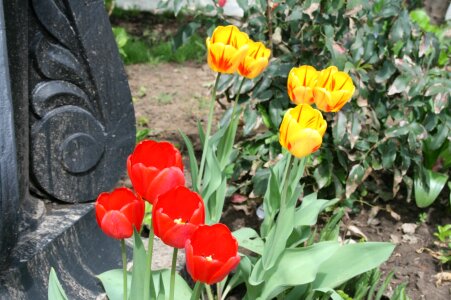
394	135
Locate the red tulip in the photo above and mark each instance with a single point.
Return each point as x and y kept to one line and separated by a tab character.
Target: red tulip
221	3
211	253
176	215
155	168
117	212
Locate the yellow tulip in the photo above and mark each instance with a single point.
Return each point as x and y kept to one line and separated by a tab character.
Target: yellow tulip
226	48
301	81
333	89
302	130
255	61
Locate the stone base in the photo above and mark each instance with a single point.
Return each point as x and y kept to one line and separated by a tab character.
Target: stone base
69	240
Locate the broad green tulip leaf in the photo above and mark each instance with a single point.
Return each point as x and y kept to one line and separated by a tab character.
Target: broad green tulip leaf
333	294
161	280
219	196
113	281
213	176
271	203
349	261
427	192
225	145
55	290
296	267
248	238
277	238
307	214
139	269
245	269
194	170
201	133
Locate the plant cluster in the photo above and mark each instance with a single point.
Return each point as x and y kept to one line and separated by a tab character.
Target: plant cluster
286	258
394	137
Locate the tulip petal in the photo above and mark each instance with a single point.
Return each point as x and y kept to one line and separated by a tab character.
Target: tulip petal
134	212
302	95
304	142
100	212
325	77
339	99
205	269
225	269
165	180
141	177
177	235
155	154
300	82
115	225
322	99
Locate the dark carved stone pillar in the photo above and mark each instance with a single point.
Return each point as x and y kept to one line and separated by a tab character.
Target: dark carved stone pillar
82	121
9	184
66	129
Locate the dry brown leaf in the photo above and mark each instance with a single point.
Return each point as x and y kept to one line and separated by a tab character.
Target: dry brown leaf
245	208
393	214
311	9
355	230
441	277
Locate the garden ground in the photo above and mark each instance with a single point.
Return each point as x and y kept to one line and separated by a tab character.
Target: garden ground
169	97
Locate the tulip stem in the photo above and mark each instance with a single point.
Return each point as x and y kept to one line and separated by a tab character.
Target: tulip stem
196	291
172	283
147	275
209	292
207	133
124	268
237	97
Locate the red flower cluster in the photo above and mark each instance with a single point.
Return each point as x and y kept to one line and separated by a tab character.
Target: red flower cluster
178	214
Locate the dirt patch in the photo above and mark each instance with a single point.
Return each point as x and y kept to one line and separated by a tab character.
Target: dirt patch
169	97
413	258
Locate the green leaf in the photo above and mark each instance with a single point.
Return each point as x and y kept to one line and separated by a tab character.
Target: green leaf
178	5
307	214
355	178
225	145
339	130
248	238
161	281
243	4
277	238
139	269
428	187
271	203
194	170
112	282
349	261
55	290
287	271
211	182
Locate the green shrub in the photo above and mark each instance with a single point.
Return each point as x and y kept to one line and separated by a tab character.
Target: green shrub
394	134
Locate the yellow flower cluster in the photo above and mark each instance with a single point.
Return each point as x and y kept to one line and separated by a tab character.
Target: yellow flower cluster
231	50
303	127
329	89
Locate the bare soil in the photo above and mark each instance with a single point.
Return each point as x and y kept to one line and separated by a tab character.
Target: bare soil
172	97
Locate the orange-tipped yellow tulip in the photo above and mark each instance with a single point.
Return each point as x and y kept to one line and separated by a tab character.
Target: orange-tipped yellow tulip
333	89
302	130
255	61
227	47
301	81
